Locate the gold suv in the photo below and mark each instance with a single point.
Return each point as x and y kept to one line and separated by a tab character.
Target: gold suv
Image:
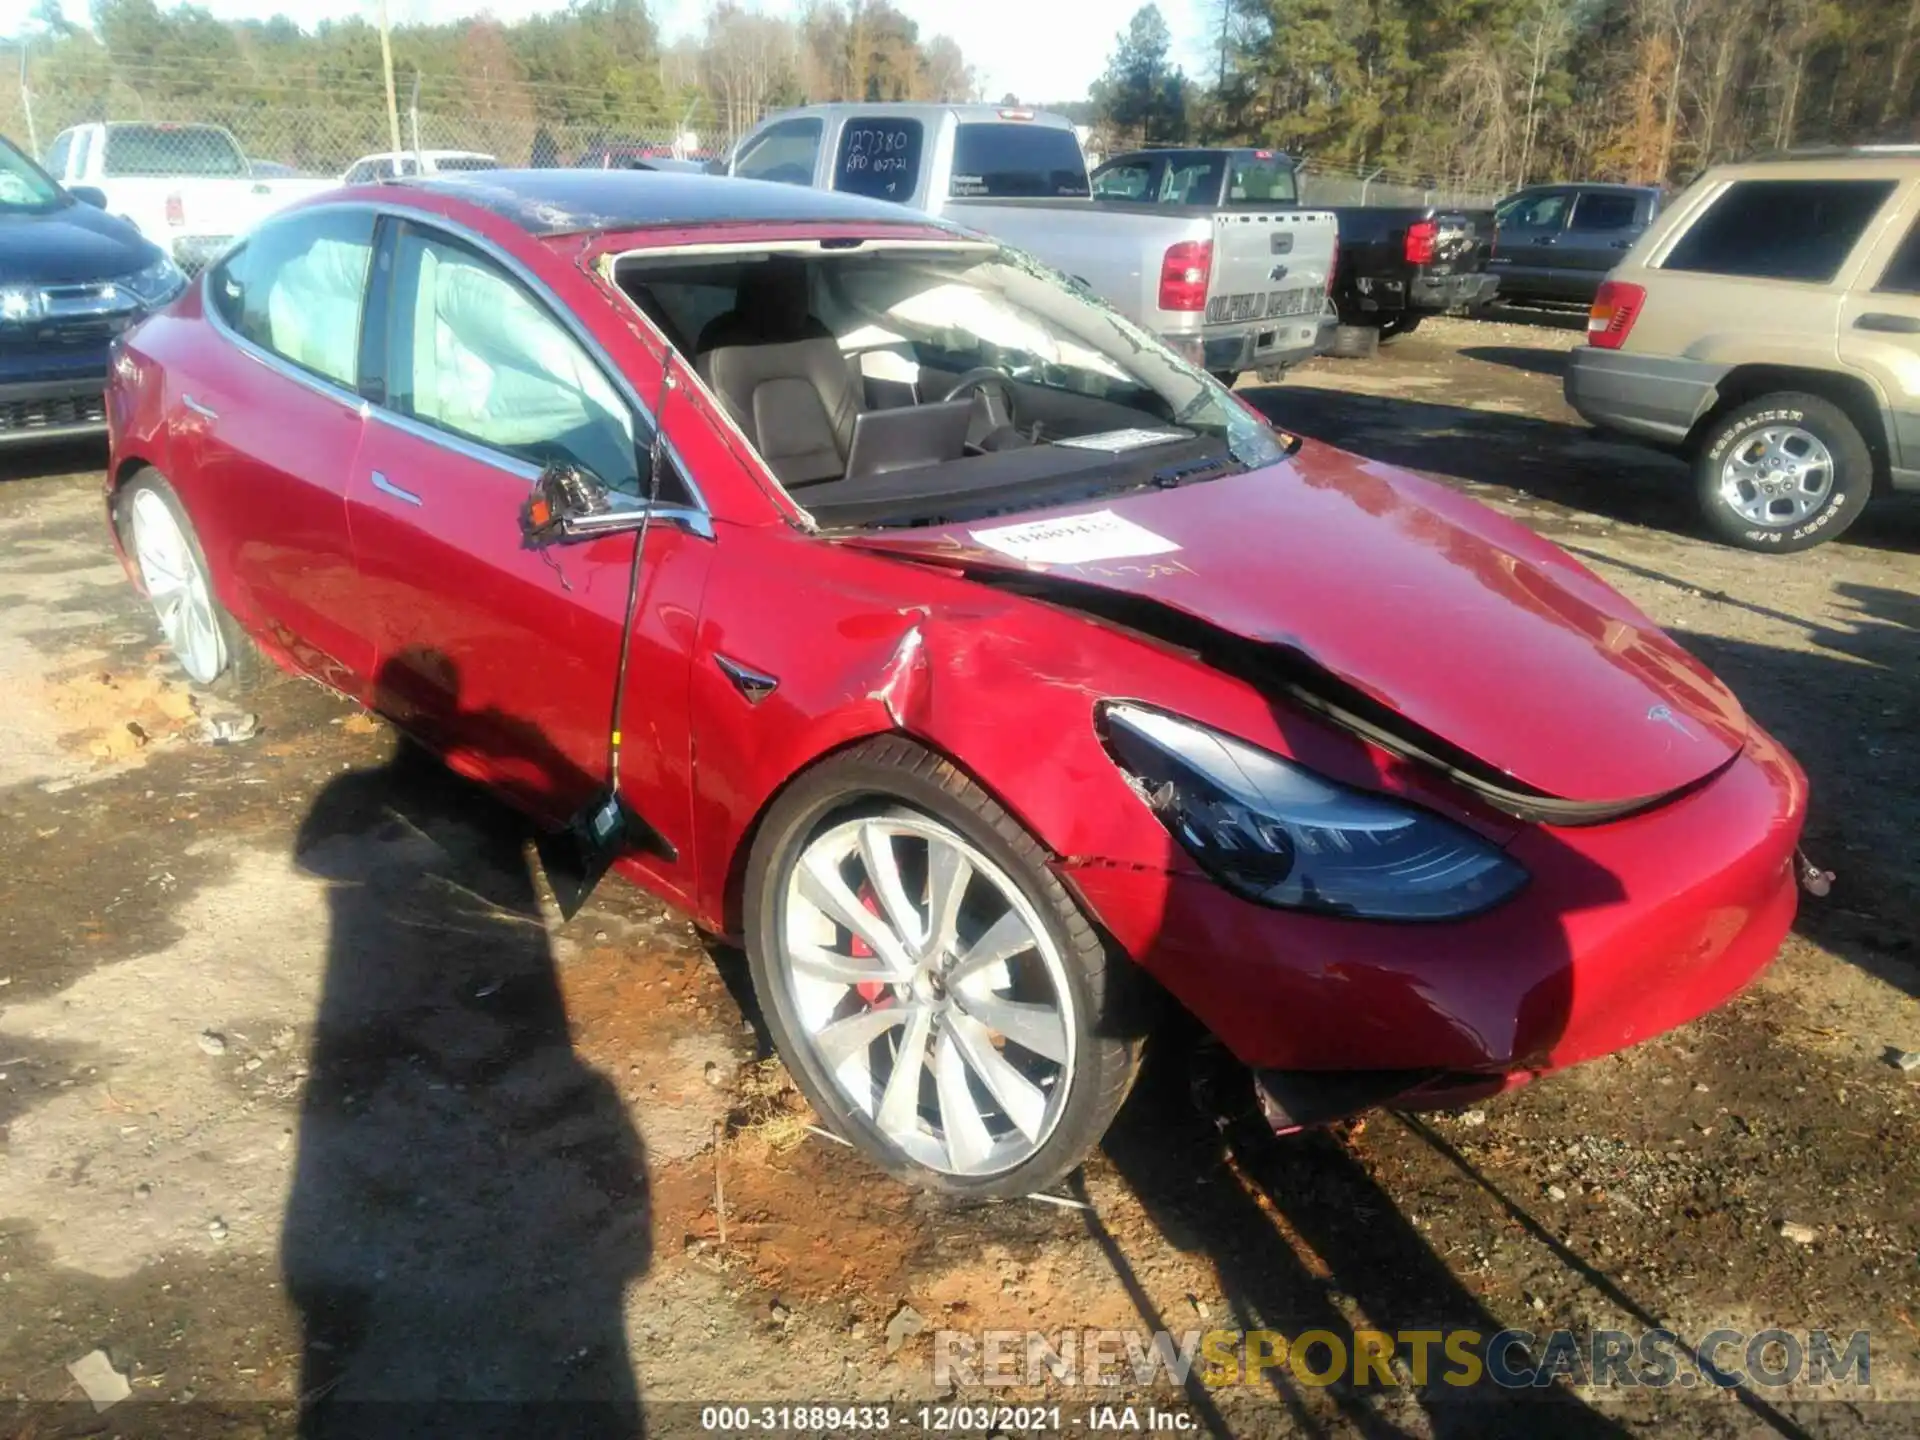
1768	327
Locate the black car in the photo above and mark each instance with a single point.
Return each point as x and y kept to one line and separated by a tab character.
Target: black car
1556	243
71	278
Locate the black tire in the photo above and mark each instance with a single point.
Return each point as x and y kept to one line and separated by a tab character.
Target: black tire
1225	377
1355	342
1852	472
889	774
1399	325
245	671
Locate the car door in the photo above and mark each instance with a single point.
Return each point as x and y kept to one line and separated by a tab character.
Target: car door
1527	227
1602	228
502	657
1880	334
268	424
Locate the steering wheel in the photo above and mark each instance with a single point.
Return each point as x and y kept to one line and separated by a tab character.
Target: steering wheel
994	413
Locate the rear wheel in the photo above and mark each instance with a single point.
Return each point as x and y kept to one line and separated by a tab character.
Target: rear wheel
935	991
204	638
1400	325
1782	473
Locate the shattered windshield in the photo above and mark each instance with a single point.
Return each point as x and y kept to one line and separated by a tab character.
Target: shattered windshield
844	365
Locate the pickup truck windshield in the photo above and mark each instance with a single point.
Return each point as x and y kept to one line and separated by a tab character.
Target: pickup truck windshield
23	188
1009	160
199	150
905	383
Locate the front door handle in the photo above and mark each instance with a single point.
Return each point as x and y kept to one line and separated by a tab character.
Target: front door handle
1544	239
387	487
205	412
1888	324
1623	244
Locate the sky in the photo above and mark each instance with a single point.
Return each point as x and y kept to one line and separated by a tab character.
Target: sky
1038	49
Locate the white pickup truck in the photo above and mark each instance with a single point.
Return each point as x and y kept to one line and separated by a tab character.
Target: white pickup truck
1241	288
187	188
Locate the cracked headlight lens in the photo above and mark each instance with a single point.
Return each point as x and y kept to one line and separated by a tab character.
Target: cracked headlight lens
1273	831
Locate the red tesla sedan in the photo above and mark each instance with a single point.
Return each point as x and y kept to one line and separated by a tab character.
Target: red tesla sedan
972	657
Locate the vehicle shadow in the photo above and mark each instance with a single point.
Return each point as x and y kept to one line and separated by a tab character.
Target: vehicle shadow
59	457
1565	464
1846	707
1569	465
1519	357
470	1200
1508	313
1303	1238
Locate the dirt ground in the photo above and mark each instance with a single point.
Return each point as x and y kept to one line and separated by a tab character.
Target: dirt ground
304	1085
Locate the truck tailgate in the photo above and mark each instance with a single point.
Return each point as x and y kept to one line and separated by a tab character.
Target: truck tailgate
1269	265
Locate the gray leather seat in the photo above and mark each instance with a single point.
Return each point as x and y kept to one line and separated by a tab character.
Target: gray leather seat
781	375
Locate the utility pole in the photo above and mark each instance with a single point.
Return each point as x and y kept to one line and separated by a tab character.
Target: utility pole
1226	14
26	103
386	63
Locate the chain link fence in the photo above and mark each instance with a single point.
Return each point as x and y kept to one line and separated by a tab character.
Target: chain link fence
321	127
1325	183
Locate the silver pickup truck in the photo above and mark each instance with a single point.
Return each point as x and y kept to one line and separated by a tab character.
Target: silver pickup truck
1237	289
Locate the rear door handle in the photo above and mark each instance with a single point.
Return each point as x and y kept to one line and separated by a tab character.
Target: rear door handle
1623	244
205	412
1544	239
387	487
1889	324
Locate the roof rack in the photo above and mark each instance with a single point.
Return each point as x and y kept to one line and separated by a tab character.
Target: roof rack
1834	152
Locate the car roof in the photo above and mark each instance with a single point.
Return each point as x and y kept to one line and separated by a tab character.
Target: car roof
562	202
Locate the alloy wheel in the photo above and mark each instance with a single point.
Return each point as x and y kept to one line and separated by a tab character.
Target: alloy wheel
1778	475
930	990
178	588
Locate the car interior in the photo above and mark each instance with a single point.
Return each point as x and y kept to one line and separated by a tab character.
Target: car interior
904	384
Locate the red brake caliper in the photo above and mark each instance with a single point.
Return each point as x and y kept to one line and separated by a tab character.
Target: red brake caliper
870	991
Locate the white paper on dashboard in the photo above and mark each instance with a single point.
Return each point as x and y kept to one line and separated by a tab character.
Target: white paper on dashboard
1075	539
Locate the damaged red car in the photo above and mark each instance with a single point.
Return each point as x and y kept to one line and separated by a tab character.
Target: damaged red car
894	608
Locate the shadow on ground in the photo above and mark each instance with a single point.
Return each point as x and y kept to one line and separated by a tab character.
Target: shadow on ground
470	1199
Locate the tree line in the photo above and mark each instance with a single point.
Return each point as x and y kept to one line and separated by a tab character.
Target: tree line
308	96
1511	91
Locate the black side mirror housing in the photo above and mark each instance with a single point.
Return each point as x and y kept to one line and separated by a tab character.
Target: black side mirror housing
568	504
89	195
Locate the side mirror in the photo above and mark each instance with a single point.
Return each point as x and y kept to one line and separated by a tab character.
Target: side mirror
568	504
89	195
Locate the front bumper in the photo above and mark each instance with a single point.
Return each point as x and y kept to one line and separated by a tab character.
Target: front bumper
1625	930
1645	395
39	411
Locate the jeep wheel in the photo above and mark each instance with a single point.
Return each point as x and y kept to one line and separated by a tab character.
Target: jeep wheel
1782	473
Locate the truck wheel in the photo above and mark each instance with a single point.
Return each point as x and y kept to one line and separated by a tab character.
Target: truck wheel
1782	473
1398	326
937	994
1355	342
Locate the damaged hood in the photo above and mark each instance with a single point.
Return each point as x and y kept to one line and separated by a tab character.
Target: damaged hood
1422	613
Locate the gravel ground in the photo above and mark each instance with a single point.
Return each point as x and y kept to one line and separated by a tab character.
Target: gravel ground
305	1088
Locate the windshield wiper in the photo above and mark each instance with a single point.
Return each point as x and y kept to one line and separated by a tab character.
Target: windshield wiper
1174	475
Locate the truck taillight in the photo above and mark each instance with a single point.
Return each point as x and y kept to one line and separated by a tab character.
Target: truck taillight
1421	236
1333	266
1616	305
176	209
1183	275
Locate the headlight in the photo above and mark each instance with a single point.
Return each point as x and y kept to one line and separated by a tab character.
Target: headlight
21	304
157	284
1275	832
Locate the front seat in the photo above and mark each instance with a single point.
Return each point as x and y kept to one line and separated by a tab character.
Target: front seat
780	373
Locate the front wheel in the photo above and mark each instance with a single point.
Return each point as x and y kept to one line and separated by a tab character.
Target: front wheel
1782	473
935	991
